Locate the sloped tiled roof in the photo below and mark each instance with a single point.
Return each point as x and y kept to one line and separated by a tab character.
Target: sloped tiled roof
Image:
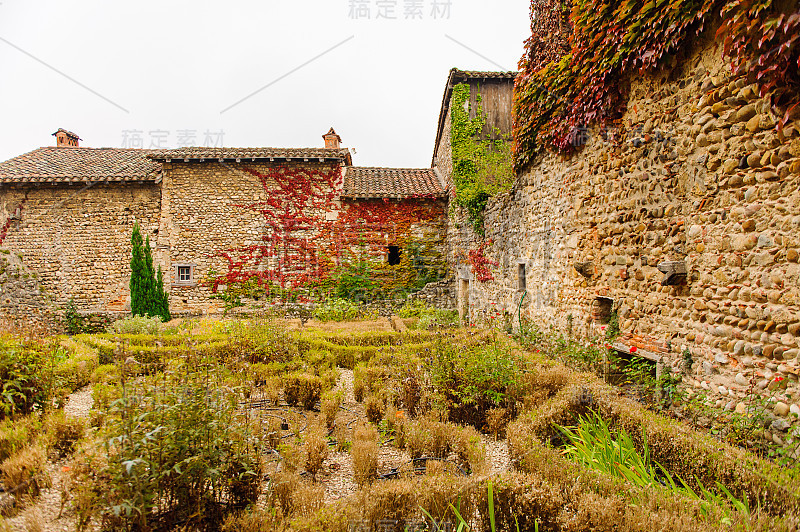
73	164
478	74
364	182
197	153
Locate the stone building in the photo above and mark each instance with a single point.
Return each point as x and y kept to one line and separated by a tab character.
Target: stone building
227	225
685	222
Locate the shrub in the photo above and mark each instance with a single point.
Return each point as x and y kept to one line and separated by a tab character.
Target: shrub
331	401
137	325
24	472
474	380
105	374
303	389
23	378
18	433
342	310
63	432
177	450
365	454
374	407
316	451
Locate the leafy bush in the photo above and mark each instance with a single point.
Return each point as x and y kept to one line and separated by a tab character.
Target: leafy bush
23	377
439	319
18	433
339	309
175	449
474	380
136	325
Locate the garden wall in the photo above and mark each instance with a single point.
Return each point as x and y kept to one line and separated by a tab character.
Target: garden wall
696	175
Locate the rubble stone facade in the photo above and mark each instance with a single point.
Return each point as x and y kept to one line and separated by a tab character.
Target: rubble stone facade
699	178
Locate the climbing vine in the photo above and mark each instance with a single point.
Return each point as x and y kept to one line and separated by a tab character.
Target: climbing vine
7	224
479	264
304	253
555	101
481	167
764	40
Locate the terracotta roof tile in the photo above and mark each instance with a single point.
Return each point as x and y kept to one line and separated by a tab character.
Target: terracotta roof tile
73	164
196	153
363	182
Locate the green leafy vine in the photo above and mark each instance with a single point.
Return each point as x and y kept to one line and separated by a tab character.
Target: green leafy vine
481	167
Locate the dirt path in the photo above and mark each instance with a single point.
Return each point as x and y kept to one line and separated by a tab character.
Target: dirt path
46	513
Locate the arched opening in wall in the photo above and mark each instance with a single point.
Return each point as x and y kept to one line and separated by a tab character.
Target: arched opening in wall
601	309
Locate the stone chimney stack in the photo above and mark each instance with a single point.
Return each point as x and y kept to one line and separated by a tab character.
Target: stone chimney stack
66	138
332	140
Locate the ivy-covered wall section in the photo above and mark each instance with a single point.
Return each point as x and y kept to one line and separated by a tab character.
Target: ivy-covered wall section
558	98
284	234
481	167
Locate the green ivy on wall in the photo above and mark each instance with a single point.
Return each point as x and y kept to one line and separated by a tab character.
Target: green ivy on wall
482	168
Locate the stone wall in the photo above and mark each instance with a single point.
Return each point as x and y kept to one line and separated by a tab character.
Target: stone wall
697	175
76	238
213	218
440	295
23	302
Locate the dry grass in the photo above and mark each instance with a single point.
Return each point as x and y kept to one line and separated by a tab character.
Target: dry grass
307	500
284	484
374	408
315	450
329	405
63	432
255	520
365	454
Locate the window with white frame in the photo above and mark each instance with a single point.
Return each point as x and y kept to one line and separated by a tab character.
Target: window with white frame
184	274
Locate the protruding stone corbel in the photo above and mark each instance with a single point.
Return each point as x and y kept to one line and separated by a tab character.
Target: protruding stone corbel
584	268
674	272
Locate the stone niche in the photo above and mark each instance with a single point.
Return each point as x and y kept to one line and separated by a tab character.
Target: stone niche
601	309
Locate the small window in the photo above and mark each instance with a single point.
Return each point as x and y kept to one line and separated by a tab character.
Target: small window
184	274
521	277
394	255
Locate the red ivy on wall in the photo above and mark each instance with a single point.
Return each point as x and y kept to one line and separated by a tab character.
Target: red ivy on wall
480	263
302	245
7	224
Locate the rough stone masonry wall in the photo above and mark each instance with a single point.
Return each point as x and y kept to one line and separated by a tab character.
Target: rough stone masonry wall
700	176
204	214
76	239
23	303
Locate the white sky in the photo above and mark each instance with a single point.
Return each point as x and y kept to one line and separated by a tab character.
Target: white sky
176	64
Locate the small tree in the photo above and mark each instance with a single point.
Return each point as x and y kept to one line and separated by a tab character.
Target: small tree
148	297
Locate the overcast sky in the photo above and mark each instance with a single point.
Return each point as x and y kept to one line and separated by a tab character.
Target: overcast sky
178	67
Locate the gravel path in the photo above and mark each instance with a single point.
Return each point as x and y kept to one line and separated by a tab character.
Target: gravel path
46	513
498	457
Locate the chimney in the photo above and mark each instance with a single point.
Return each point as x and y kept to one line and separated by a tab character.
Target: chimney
332	140
66	138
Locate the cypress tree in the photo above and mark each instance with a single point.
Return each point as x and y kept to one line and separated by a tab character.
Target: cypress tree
148	297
